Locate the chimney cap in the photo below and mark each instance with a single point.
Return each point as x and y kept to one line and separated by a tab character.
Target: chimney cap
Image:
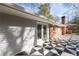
63	16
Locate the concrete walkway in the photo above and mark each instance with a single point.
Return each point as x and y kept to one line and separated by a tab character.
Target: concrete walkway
64	49
70	36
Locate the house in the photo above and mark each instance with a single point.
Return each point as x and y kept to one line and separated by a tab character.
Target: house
72	28
20	30
57	30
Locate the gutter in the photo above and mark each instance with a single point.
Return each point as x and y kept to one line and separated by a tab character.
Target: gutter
5	8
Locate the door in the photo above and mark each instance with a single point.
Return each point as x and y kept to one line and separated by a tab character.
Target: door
41	34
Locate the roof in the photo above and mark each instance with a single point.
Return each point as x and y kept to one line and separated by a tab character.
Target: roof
72	25
60	25
13	9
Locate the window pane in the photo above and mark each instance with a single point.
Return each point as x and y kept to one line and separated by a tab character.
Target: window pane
45	32
39	27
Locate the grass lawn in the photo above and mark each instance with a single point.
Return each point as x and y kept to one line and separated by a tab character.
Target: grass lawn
76	33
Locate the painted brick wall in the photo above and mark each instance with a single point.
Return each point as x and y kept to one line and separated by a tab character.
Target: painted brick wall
16	34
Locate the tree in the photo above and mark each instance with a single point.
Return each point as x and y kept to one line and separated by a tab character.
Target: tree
44	9
50	16
75	21
73	12
74	7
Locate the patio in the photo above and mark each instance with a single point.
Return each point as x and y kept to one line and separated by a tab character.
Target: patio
57	48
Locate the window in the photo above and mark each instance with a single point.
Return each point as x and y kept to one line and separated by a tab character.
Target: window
39	34
44	32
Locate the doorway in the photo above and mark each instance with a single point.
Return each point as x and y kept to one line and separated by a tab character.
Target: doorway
41	33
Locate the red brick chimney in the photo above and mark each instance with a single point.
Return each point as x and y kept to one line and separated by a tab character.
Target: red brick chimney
63	19
63	28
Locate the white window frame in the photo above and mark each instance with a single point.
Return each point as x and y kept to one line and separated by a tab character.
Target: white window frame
47	30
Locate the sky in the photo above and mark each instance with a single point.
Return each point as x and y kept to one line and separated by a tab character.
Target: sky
28	6
56	8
